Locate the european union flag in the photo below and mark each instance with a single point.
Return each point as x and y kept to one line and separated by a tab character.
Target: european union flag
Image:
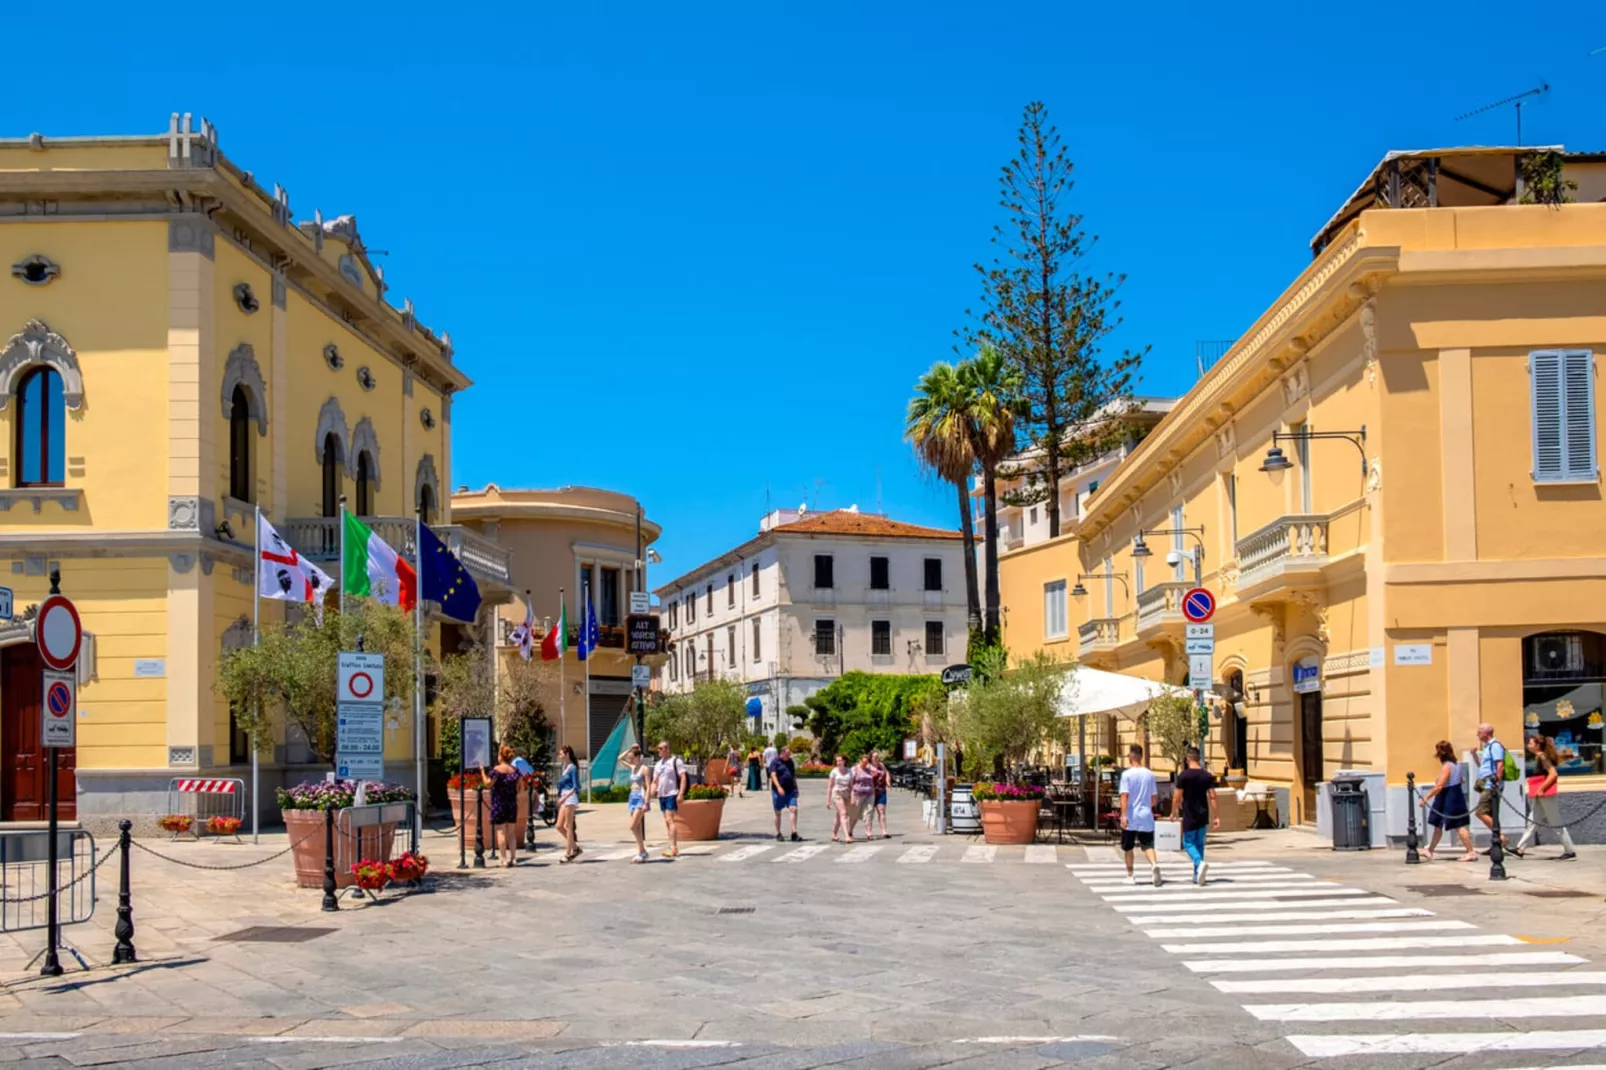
590	634
444	580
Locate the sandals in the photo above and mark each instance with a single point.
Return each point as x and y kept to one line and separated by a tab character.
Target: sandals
1467	858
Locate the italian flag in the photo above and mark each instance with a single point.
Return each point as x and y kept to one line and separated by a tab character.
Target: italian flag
556	640
369	568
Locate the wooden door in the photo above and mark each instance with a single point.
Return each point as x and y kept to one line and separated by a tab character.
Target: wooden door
1310	749
24	793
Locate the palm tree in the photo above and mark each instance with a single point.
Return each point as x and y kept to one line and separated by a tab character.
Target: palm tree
938	427
993	401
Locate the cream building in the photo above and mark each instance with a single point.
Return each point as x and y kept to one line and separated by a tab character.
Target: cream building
812	596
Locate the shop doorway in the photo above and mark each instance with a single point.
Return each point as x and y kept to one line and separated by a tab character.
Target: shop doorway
24	791
1310	752
1234	725
1564	698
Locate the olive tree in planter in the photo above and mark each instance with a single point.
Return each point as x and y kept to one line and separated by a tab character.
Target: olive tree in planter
702	722
1006	713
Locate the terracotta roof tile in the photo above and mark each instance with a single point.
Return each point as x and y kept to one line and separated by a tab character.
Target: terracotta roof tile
842	522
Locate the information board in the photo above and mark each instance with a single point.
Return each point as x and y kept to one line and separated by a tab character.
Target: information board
360	716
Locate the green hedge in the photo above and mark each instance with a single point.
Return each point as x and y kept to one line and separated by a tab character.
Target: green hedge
861	712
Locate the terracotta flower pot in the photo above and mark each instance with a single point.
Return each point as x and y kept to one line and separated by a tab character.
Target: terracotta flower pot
699	819
465	803
1009	822
307	838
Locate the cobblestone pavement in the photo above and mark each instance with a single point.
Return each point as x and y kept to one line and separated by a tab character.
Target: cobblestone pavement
912	952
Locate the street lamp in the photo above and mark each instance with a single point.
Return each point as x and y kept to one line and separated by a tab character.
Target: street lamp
1277	462
1078	591
1141	549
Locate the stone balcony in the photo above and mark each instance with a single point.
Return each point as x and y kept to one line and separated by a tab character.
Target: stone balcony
1101	633
318	537
1161	605
1290	552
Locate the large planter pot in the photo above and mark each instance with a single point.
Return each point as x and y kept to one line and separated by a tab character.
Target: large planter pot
699	819
1008	822
466	802
308	840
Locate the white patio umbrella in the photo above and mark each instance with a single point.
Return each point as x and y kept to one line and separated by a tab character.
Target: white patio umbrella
1088	692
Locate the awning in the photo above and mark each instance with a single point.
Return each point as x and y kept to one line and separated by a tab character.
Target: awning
1093	691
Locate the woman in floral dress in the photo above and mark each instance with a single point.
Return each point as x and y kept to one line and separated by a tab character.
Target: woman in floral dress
503	780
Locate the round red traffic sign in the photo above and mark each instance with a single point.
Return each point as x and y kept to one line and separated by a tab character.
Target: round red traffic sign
58	699
1198	605
59	633
361	685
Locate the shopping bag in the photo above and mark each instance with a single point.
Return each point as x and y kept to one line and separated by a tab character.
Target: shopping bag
1168	835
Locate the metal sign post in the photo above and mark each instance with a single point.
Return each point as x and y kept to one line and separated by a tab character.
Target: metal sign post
60	635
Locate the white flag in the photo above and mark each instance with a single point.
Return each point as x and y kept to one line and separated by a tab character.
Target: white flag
284	574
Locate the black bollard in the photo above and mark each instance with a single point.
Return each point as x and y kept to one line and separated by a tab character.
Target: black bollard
529	827
1497	853
479	829
1411	857
123	953
329	900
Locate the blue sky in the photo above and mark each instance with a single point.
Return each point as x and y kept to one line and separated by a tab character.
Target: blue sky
701	252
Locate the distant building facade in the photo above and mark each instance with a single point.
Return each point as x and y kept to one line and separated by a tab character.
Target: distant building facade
812	596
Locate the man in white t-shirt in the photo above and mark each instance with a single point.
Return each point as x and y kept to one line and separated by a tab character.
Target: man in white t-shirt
669	784
1139	793
769	755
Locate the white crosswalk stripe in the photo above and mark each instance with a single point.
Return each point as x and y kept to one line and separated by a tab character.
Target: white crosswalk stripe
1110	867
919	853
860	854
1273	914
1041	854
615	856
1244	903
804	853
1376	943
1329	1047
1180	893
1385	962
1308	930
979	852
742	854
1421	982
1389	1011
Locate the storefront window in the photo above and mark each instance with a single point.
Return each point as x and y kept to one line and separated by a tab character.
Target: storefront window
1564	697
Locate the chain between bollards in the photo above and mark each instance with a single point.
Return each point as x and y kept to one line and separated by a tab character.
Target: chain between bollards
329	900
1412	858
124	952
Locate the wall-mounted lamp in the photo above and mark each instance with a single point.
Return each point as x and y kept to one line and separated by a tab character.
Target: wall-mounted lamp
1140	549
1078	591
1277	462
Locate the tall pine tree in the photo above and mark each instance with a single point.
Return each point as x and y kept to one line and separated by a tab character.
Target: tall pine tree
1048	319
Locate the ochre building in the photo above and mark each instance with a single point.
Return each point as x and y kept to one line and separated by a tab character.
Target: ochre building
1433	553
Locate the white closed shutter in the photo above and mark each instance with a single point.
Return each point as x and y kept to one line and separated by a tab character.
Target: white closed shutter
1563	384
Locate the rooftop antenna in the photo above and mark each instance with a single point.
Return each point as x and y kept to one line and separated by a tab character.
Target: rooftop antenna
1517	99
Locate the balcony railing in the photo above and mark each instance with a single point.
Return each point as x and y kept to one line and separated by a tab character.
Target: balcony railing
1289	544
1161	604
318	537
1101	633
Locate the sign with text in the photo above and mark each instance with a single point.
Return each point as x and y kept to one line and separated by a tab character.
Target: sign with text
1413	654
360	716
476	742
1200	646
641	634
1198	631
60	703
1307	676
955	675
640	602
641	676
6	602
1199	670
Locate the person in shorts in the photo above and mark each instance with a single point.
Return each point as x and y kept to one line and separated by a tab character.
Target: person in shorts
669	784
783	790
1491	774
638	800
1196	794
1139	793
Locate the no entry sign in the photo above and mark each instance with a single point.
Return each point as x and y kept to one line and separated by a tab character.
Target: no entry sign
59	633
1198	605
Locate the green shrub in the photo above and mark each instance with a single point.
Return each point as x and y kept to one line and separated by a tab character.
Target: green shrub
860	712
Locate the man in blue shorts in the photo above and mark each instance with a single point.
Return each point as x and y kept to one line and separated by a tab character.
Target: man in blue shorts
783	791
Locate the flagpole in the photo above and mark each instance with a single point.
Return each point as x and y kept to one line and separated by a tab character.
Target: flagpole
585	635
563	719
341	520
256	638
418	672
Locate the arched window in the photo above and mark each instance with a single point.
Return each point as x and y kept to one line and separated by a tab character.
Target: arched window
40	445
241	485
365	485
331	475
426	503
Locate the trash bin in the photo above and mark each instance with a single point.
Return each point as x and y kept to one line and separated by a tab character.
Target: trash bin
1352	818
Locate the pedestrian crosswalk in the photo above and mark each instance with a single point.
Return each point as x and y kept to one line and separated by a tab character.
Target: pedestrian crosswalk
957	852
1265	933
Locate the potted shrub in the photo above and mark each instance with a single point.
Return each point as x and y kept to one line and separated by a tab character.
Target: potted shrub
700	811
465	789
219	825
177	824
369	875
1008	811
410	867
302	808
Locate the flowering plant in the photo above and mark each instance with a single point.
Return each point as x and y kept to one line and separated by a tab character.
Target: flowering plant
220	825
371	875
468	780
814	770
699	792
409	867
320	794
175	823
993	792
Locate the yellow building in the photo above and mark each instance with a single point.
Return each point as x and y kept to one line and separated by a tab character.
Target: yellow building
1430	557
181	351
579	540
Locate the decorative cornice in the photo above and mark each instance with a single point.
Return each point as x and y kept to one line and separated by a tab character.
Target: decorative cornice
332	421
36	270
364	440
37	344
427	476
241	369
1348	663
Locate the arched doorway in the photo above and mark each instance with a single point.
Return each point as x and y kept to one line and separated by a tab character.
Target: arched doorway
1563	688
1234	725
24	787
1309	753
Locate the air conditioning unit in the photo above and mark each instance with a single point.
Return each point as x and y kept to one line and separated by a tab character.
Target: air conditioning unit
1558	653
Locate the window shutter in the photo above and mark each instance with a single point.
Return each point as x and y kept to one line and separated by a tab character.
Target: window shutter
1544	371
1578	414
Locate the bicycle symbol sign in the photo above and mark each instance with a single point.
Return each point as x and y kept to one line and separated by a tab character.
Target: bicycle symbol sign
1198	605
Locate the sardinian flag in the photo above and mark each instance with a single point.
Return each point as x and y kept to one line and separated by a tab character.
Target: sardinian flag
524	634
284	574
